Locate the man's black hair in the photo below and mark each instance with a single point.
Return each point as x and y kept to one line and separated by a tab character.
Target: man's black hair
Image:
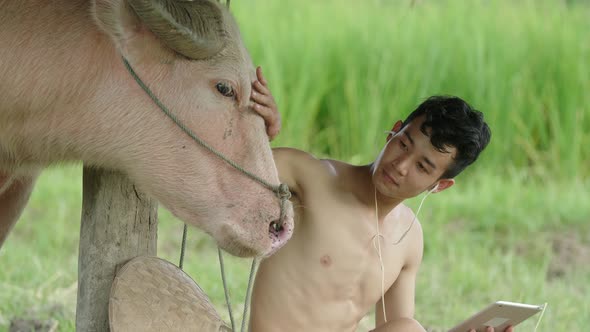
451	122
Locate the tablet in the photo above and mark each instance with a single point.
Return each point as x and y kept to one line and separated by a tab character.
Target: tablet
498	315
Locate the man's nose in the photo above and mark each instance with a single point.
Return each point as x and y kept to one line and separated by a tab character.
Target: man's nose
401	165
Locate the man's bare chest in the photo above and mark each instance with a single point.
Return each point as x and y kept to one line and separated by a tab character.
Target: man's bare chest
341	254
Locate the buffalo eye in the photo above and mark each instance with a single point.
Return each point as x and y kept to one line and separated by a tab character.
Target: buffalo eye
225	89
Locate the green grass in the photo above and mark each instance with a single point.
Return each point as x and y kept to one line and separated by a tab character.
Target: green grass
515	227
343	71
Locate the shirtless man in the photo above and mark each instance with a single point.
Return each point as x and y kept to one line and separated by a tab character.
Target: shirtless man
350	221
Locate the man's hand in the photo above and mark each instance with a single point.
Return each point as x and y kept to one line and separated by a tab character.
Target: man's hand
491	329
264	104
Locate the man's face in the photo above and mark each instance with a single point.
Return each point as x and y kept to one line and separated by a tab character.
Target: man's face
409	164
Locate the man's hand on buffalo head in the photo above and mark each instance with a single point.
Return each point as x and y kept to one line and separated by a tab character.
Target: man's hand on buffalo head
263	102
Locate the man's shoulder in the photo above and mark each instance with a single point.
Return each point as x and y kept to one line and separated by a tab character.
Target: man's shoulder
403	215
304	159
403	212
292	153
308	171
408	238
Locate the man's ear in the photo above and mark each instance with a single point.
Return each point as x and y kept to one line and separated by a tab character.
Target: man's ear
444	184
396	128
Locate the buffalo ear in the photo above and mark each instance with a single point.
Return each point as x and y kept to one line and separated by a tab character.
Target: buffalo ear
194	29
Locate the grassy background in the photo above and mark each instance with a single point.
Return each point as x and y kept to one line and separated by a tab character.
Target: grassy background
514	228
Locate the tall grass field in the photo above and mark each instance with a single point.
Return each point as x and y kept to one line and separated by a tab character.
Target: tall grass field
515	227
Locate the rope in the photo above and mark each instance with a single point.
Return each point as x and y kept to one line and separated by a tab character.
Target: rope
227	300
183	246
248	293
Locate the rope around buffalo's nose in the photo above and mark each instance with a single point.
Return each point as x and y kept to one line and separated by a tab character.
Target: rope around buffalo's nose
282	191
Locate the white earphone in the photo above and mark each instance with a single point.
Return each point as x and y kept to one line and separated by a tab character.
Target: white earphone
434	188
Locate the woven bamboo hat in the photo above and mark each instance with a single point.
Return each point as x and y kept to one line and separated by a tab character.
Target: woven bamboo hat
151	294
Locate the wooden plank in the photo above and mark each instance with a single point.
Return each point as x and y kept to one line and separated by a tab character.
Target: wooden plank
118	223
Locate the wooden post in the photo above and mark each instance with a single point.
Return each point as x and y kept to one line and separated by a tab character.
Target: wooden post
118	223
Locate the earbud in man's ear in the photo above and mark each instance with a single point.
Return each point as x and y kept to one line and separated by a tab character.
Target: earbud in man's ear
435	187
391	135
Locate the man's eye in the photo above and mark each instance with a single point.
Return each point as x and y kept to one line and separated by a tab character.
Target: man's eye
225	89
403	145
421	167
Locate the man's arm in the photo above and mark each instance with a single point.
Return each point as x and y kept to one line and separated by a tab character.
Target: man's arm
399	306
399	298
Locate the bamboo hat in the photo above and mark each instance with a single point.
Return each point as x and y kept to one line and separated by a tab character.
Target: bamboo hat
151	294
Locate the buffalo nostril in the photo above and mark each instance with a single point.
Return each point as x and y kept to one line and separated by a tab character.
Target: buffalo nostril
275	228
